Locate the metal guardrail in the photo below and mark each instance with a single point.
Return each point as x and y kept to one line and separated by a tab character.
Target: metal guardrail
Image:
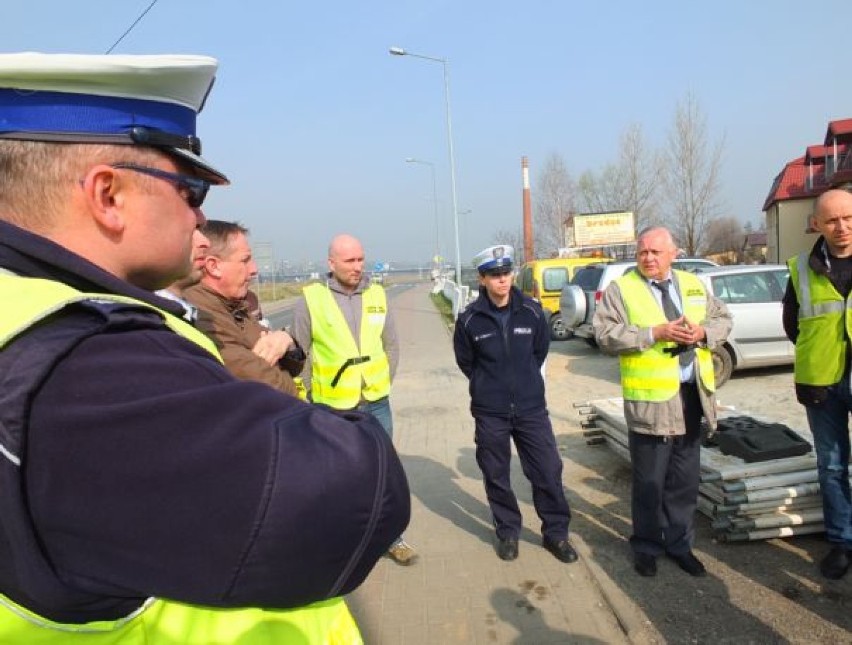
459	296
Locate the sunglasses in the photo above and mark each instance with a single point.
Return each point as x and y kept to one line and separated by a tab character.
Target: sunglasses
194	187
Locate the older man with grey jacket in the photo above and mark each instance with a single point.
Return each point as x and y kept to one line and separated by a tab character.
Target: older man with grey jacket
662	324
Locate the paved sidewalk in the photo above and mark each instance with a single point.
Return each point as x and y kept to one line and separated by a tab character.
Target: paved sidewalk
459	591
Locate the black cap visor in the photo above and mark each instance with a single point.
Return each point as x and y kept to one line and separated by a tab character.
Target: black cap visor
497	271
186	149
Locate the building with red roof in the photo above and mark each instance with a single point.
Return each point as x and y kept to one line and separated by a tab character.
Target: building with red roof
790	202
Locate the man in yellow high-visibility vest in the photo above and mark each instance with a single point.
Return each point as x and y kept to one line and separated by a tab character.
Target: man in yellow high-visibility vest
662	324
348	331
818	319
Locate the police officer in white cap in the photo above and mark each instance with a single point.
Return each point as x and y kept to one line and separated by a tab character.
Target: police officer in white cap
146	495
501	341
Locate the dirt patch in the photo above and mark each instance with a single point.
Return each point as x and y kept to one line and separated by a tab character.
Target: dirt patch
756	592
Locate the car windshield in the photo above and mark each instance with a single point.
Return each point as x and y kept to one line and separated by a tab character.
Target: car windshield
749	288
588	278
554	279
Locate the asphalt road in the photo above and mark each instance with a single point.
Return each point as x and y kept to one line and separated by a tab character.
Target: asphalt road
280	313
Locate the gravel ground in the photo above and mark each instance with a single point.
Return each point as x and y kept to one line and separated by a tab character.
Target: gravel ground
756	592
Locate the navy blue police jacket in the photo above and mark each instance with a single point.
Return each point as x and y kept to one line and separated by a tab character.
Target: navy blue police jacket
146	469
503	364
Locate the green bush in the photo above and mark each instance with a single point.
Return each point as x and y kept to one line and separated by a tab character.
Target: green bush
281	291
444	306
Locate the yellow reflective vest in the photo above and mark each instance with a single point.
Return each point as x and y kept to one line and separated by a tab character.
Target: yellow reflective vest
654	375
163	622
343	370
26	301
825	322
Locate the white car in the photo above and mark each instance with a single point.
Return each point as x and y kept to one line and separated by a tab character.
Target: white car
753	295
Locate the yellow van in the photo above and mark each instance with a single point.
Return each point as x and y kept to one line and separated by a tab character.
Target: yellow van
544	279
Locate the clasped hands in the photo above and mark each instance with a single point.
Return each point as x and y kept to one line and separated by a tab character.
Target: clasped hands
681	331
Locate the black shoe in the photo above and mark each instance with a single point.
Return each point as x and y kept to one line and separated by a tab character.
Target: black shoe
561	550
689	563
507	549
835	565
645	564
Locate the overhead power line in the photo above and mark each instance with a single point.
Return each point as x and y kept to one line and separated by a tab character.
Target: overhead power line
130	28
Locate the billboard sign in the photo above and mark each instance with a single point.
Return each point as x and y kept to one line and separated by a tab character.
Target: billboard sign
604	229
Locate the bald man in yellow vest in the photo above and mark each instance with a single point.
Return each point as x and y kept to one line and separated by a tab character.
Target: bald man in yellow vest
348	331
818	319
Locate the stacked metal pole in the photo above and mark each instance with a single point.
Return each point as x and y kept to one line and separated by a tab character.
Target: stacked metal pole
744	501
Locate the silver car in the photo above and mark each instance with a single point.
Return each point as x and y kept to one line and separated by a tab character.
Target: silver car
753	295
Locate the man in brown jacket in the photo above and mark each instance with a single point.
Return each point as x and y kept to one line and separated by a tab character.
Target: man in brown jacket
662	324
250	351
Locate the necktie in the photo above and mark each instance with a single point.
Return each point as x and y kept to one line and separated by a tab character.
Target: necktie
672	313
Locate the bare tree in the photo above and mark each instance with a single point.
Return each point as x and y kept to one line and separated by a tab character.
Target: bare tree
514	239
692	176
554	196
629	185
603	191
642	169
725	236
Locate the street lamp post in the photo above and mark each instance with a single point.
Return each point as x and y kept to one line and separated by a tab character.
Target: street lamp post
434	203
399	51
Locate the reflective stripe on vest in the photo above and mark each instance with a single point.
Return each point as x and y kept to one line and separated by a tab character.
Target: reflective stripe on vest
343	371
26	301
825	323
654	375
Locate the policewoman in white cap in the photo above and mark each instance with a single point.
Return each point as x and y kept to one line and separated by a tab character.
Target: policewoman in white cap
146	495
501	341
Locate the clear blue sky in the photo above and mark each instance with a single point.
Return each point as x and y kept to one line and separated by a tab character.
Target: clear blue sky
313	119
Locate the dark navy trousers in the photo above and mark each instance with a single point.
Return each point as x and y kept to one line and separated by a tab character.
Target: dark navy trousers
540	462
666	473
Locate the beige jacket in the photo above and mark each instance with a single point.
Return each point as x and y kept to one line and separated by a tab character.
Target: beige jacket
615	335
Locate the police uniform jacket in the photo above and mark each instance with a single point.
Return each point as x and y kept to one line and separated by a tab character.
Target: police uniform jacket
149	470
503	365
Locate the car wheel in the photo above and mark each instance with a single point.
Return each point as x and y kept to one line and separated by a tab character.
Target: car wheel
723	365
557	329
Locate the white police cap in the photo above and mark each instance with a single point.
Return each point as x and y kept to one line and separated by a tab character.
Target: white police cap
494	258
142	100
